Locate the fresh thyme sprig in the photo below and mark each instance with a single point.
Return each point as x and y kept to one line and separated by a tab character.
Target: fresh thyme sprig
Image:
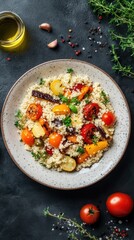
79	228
121	14
125	70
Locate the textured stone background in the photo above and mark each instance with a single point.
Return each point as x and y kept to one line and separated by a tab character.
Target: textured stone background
22	200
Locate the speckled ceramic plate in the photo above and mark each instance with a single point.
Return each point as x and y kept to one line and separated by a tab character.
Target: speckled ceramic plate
33	169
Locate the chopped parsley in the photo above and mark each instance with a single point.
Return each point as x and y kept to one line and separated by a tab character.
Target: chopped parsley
42	81
75	100
95	139
105	98
19	123
63	98
80	150
70	70
87	101
67	121
39	155
18	114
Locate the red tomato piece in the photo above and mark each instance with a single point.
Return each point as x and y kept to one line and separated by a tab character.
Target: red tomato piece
34	111
119	204
89	214
91	111
49	150
78	87
108	118
87	132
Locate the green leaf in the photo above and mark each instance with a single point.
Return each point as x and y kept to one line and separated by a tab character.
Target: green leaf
105	98
95	139
42	81
18	114
73	108
63	98
80	150
67	121
70	70
75	100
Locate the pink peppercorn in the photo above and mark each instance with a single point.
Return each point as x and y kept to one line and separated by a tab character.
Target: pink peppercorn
100	17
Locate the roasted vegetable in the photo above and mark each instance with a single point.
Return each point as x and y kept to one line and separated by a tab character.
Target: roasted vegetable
82	158
56	87
44	96
72	139
92	149
34	111
38	130
61	109
69	164
39	142
55	139
27	137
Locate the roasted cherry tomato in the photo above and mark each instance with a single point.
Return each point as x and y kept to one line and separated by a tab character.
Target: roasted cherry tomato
108	118
119	204
89	214
27	137
49	150
87	132
34	111
55	139
78	87
90	111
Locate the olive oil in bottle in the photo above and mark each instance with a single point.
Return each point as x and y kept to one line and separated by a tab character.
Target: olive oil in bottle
12	30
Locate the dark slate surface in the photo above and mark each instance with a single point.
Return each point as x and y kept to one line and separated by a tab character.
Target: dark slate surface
22	200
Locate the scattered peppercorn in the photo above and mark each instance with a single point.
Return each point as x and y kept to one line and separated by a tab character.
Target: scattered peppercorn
8	59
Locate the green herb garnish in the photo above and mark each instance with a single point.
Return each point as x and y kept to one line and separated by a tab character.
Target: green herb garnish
95	139
105	98
80	150
87	101
19	123
70	70
67	121
42	81
63	98
76	230
39	155
75	100
73	108
18	114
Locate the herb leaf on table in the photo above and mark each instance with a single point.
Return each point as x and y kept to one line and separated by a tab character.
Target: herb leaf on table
120	15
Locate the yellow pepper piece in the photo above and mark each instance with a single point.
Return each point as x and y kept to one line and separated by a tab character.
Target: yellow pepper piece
56	87
92	149
61	109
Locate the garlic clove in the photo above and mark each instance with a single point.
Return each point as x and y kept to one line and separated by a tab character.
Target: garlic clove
46	26
53	44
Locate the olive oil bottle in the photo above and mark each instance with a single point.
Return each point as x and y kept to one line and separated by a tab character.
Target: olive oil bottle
12	30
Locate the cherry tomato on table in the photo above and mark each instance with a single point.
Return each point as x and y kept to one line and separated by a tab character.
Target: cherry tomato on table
89	214
34	111
90	111
119	204
27	137
108	118
87	132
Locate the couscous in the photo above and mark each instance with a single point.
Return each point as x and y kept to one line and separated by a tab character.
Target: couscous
67	122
